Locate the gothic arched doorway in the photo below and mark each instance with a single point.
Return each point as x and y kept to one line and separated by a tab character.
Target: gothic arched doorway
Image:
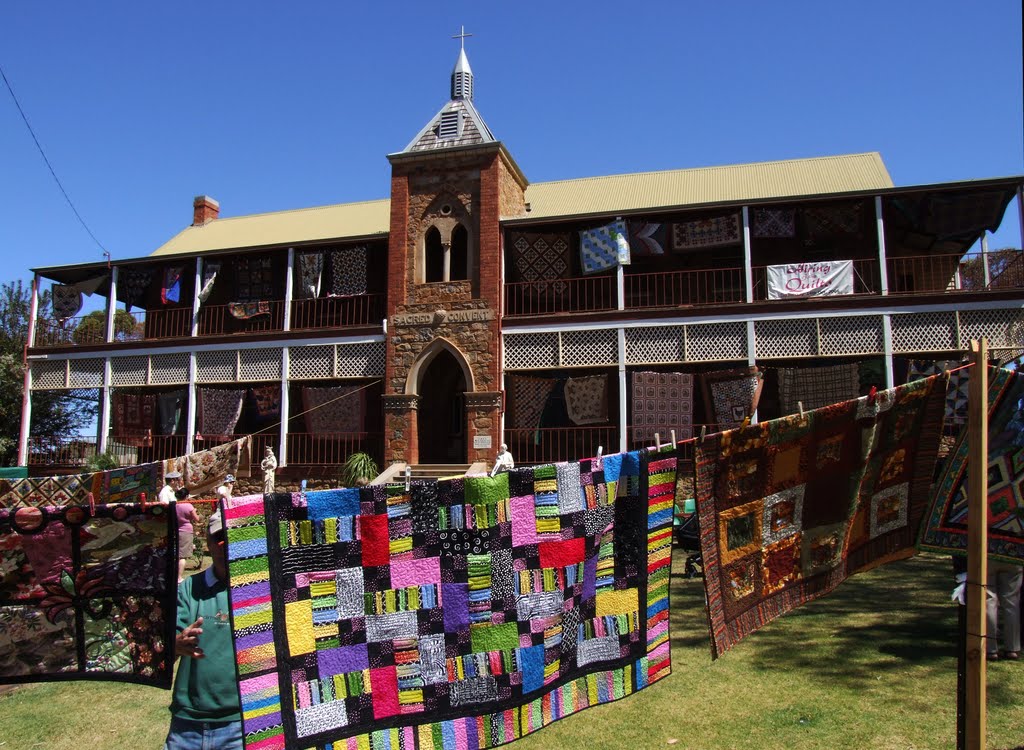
442	411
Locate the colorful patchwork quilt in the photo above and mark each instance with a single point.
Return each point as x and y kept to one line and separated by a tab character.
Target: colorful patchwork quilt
696	235
463	613
730	396
792	507
88	593
333	409
540	258
662	402
946	530
130	484
218	411
956	393
203	470
815	387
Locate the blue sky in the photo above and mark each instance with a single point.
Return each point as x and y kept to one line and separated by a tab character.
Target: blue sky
141	106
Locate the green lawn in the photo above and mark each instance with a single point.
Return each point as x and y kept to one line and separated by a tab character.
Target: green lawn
870	666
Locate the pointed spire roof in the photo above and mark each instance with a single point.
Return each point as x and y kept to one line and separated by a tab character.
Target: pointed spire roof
457	123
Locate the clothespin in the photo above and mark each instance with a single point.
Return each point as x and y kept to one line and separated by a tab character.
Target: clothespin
800	406
657	441
408	477
92	504
746	421
599	461
703	432
673	434
142	500
872	394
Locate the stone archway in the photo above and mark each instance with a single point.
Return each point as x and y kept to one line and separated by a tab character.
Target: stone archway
441	418
440	379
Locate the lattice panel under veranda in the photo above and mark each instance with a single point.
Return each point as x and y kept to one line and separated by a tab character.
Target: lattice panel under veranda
217	366
362	360
1002	328
310	362
796	337
49	374
129	371
259	364
716	342
924	332
655	345
169	369
85	373
529	351
590	347
852	334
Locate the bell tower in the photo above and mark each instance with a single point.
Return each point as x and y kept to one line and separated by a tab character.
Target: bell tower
450	188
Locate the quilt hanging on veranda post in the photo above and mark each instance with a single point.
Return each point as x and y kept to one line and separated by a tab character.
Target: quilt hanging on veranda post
88	593
792	507
946	527
463	613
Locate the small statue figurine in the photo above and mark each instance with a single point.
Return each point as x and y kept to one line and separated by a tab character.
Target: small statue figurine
503	462
269	465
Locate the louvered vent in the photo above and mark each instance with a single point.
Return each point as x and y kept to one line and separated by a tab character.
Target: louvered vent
462	85
450	125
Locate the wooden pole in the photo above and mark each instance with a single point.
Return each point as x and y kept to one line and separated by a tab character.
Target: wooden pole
977	543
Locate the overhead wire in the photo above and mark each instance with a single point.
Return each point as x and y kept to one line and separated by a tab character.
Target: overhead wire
45	159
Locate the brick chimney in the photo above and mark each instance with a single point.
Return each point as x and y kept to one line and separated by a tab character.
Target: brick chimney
204	209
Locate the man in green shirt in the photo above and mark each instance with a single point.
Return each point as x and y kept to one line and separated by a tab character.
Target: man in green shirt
205	713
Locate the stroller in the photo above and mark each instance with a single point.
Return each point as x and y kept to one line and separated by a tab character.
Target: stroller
687	533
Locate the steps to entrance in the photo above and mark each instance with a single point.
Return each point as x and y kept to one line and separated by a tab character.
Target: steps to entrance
421	472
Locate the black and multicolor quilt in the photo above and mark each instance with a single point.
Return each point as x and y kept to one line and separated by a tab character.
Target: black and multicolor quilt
88	593
461	613
791	508
946	529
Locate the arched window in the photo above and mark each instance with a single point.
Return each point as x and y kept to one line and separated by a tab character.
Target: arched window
459	267
434	256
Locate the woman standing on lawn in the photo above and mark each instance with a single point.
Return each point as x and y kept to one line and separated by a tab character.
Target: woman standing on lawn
187	516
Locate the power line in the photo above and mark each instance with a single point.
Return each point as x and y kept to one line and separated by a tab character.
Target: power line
48	165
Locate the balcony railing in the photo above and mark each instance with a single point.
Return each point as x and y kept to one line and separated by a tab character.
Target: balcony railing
332	448
337	312
926	274
587	294
709	286
551	444
241	317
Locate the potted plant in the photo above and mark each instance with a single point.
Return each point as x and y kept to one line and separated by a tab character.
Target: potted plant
358	469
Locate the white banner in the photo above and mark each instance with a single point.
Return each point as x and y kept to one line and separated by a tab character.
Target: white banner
819	279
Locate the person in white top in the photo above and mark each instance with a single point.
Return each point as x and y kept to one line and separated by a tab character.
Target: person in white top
225	490
173	484
503	462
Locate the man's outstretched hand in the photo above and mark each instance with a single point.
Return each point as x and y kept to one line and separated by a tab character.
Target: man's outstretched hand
186	643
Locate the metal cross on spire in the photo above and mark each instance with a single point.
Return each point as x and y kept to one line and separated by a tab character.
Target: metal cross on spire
461	36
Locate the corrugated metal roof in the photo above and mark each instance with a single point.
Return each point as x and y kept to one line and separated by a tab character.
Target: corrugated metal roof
304	225
706	185
563	198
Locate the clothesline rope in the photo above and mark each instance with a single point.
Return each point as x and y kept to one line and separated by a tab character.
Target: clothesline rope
318	406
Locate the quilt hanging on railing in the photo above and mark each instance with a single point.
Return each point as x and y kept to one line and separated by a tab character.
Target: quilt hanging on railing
88	593
463	613
791	508
946	528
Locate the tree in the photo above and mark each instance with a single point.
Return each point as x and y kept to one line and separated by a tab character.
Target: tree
1005	270
92	329
56	416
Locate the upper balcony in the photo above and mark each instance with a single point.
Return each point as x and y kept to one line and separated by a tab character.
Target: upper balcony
902	244
909	276
208	298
